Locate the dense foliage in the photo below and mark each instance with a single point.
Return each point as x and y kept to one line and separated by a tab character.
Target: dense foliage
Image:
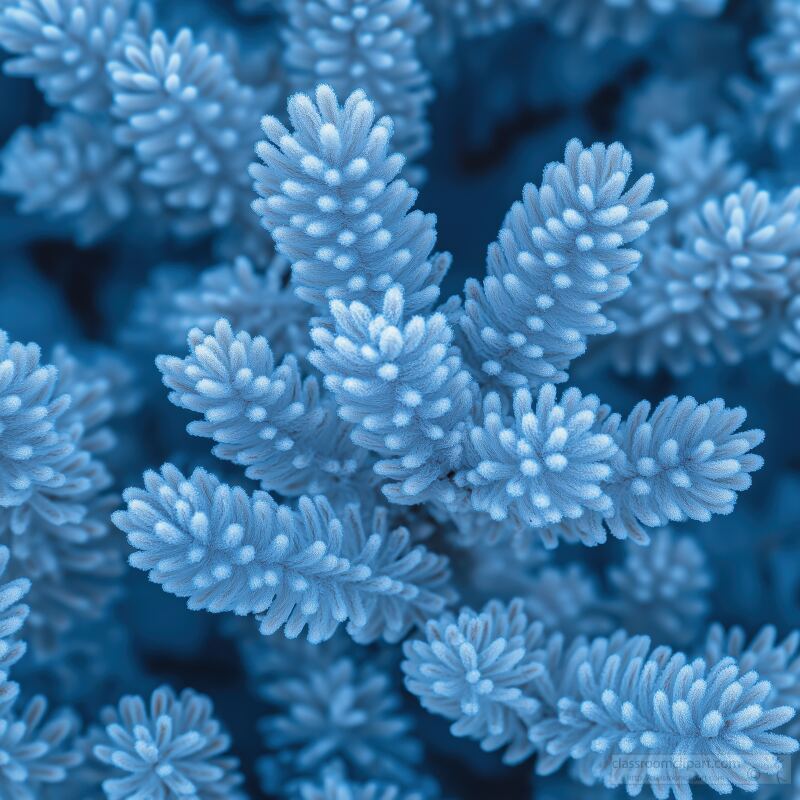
432	530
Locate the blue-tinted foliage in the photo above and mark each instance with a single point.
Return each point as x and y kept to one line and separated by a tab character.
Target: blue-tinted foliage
57	526
558	259
166	118
476	669
666	584
685	449
369	45
716	294
403	387
37	753
336	787
775	661
70	169
191	125
786	351
684	460
333	201
548	465
692	166
169	747
611	698
264	416
344	711
410	485
65	46
33	448
566	600
12	616
251	299
779	62
227	551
